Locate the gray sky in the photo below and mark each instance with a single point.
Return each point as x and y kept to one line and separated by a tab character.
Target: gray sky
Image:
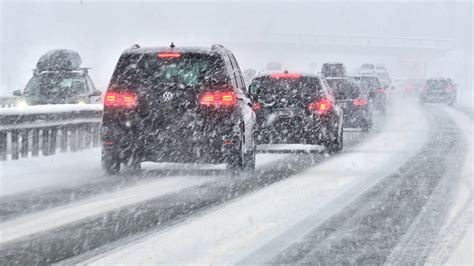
101	30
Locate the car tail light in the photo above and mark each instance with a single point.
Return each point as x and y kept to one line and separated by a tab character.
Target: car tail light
285	75
321	106
256	106
120	99
218	99
380	90
169	55
359	102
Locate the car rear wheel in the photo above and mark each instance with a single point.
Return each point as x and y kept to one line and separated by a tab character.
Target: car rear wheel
366	125
336	144
237	160
110	162
133	165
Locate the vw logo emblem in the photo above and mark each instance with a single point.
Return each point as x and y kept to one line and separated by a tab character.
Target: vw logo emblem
167	96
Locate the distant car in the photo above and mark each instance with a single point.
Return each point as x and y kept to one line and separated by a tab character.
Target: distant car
296	108
408	87
378	70
179	105
438	90
58	79
333	70
356	104
371	86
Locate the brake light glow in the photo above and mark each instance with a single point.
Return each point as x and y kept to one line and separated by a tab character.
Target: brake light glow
256	106
120	99
169	55
285	75
218	98
359	102
320	106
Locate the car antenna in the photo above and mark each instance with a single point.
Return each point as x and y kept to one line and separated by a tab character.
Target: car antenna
172	45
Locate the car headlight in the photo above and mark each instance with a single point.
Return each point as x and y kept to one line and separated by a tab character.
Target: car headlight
22	103
81	103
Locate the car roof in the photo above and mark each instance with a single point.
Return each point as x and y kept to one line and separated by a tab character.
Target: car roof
364	76
438	78
271	72
335	78
215	49
333	63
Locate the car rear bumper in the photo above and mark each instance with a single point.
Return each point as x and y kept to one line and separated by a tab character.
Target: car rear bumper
193	141
356	117
294	130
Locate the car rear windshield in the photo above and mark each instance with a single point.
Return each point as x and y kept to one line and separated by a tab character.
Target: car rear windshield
151	71
344	89
370	83
333	70
284	92
437	84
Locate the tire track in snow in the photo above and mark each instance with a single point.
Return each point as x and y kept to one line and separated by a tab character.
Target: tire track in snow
75	238
27	202
368	229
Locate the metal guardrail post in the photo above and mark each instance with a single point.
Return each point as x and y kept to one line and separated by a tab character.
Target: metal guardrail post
44	141
14	146
24	143
52	141
3	145
64	138
35	142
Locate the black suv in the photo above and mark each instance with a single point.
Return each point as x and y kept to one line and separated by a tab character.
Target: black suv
333	70
296	108
355	103
180	105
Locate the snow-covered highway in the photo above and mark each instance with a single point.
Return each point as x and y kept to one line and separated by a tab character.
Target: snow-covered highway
365	204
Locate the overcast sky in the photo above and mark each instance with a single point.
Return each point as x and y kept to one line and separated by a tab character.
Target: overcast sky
101	30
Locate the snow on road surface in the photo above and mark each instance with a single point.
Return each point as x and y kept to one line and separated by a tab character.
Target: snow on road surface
454	245
287	209
63	170
57	217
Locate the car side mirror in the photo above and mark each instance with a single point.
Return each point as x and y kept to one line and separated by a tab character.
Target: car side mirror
95	93
17	93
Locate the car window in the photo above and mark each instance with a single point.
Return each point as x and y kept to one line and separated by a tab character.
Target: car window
344	89
189	70
57	83
283	92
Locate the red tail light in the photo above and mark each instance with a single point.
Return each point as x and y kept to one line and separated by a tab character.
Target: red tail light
320	106
285	76
169	55
218	99
256	106
120	99
359	102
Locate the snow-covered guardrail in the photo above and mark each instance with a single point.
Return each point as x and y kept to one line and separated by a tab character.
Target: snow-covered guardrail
43	130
